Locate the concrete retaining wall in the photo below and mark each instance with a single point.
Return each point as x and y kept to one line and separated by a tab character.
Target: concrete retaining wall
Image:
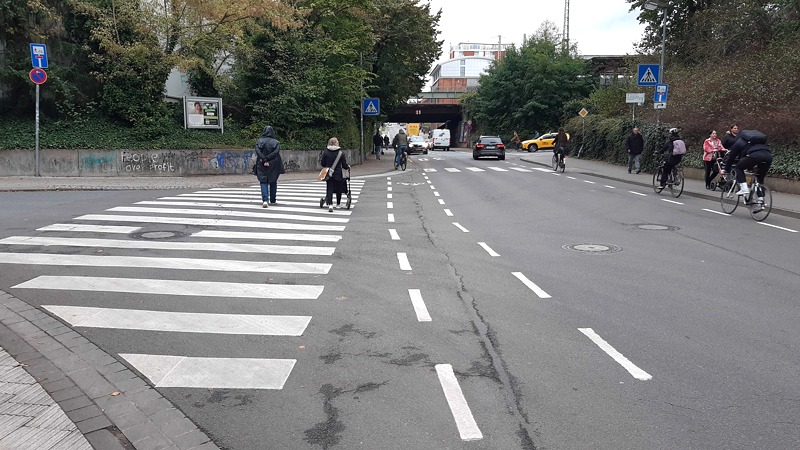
112	163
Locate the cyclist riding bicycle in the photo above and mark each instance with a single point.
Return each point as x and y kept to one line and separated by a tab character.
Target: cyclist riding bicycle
560	145
673	151
752	147
400	146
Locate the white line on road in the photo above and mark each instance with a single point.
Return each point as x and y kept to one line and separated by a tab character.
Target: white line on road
638	193
519	169
448	212
389	205
488	249
610	187
419	305
467	427
403	259
89	228
266	236
389	182
435	194
587	181
458	225
716	212
393	234
226	213
212	373
571	178
174	287
389	188
428	181
210	222
451	169
531	285
637	373
433	187
541	169
311	207
389	196
780	228
497	169
475	169
441	201
390	218
429	170
670	201
181	322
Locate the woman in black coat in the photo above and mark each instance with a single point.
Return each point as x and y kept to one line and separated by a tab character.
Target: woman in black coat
336	184
269	166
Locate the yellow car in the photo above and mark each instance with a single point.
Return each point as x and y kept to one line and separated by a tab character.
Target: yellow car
542	142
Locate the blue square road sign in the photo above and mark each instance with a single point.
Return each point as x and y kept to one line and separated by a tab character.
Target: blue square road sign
660	94
371	106
39	56
648	74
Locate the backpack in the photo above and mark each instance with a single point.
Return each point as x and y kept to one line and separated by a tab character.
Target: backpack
678	147
753	136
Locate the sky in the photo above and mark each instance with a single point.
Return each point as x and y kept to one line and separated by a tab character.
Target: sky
598	27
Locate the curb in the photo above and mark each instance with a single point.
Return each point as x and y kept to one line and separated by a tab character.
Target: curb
110	404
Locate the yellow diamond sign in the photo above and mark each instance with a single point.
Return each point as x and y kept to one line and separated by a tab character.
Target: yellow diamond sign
583	112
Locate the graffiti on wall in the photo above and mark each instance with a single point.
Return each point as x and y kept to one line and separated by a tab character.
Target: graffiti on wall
291	166
103	163
147	162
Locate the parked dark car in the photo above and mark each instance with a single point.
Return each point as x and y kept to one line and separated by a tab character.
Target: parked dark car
489	146
417	144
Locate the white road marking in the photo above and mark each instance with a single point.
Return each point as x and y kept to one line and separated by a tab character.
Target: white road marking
488	249
388	195
571	178
531	285
429	170
419	305
428	181
541	169
475	169
175	287
670	201
181	322
214	212
448	212
467	427
389	189
389	205
435	194
266	236
390	218
458	225
497	169
433	187
210	222
590	182
393	234
775	226
89	228
637	373
556	174
638	193
519	169
610	187
280	207
716	212
212	373
163	245
307	205
403	259
441	201
218	265
451	169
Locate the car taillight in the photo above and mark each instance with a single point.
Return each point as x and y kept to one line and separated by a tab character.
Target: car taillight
501	146
479	146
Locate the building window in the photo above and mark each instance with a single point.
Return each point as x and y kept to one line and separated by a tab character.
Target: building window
463	71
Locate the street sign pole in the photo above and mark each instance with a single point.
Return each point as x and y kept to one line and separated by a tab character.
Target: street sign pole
37	131
361	63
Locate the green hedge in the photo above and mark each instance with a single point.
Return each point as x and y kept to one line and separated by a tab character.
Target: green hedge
604	139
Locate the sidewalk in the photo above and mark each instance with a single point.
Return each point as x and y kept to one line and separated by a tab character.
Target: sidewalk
783	203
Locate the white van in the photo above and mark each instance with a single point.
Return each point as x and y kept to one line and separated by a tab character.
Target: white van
440	139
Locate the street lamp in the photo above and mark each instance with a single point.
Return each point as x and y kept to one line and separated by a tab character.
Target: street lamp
652	5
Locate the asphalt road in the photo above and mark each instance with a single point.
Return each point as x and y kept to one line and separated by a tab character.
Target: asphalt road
574	312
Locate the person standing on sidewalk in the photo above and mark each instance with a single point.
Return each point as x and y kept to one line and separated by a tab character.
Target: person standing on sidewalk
334	158
377	141
711	148
730	137
269	166
634	145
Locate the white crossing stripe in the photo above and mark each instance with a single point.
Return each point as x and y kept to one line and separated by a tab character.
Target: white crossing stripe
389	188
389	196
441	201
266	236
390	217
448	212
475	169
419	305
403	259
637	373
520	169
174	287
389	205
429	170
212	373
217	265
213	212
181	322
210	222
488	249
234	203
531	285
465	422
498	169
393	234
451	169
112	229
458	225
775	226
587	181
436	194
161	245
541	169
283	202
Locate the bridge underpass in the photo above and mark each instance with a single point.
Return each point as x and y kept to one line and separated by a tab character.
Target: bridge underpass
433	113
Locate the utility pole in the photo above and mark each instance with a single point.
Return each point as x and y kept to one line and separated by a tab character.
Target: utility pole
565	29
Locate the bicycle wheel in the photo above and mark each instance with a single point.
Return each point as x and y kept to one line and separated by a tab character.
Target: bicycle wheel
554	163
729	198
758	210
657	180
404	163
676	188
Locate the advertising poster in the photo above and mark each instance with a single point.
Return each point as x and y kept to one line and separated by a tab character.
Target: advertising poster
203	112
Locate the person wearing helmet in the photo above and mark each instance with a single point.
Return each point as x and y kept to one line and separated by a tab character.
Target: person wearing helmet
674	149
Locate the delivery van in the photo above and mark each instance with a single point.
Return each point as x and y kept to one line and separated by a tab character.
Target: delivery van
440	139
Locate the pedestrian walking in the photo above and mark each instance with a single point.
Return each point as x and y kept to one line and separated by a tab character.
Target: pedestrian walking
634	146
269	166
377	142
334	159
385	142
711	151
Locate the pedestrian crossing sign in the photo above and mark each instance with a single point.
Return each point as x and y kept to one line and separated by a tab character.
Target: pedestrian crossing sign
371	106
648	74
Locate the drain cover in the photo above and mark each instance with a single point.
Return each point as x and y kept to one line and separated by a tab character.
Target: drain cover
654	227
593	248
157	234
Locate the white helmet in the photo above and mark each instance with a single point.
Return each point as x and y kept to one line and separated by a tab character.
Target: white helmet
673	131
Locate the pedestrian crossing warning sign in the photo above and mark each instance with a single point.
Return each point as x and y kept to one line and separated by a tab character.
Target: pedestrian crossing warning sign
648	74
371	106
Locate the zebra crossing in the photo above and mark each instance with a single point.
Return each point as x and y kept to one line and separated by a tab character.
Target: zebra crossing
92	254
478	169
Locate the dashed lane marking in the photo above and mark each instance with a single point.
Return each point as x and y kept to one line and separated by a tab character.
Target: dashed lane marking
448	212
458	225
403	259
419	305
488	249
393	234
465	422
637	373
531	285
775	226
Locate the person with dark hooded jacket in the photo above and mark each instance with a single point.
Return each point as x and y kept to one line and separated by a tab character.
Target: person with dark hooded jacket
269	166
336	183
674	149
752	150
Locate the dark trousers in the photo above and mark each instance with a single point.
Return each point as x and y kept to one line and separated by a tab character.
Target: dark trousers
670	164
762	159
711	171
337	187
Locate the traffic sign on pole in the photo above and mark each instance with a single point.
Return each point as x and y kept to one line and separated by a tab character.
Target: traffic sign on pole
648	74
39	55
660	95
38	76
371	106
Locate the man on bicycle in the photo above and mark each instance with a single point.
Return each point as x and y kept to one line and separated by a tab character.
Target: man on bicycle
674	149
560	145
400	146
752	147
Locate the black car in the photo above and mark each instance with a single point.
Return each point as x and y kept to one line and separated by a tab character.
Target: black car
489	146
417	144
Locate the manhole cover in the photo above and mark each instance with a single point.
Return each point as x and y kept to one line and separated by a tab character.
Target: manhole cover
654	227
157	234
593	248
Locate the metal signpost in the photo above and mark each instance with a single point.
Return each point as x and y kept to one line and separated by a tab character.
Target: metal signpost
38	76
636	98
583	113
369	107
